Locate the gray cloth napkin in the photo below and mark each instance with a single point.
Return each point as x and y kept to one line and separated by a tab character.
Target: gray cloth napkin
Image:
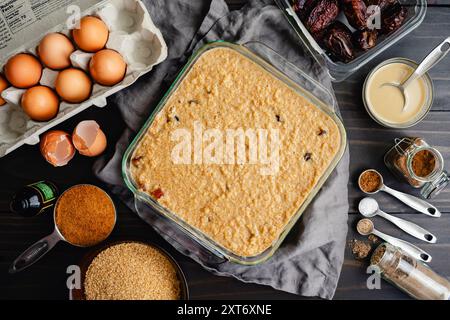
309	261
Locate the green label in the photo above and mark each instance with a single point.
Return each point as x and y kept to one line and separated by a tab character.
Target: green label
47	192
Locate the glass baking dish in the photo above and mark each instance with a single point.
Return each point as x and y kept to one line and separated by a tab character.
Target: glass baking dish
303	85
339	70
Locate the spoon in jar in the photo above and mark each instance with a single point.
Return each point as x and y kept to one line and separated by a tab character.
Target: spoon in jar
432	59
371	181
365	227
369	208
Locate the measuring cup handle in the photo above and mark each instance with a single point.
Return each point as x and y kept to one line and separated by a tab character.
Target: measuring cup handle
409	248
410	228
414	202
34	253
430	61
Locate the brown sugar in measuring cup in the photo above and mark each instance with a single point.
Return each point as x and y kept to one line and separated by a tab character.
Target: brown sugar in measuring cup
84	216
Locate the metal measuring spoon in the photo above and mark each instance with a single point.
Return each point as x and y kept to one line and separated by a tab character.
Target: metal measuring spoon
411	201
36	251
365	227
369	208
433	58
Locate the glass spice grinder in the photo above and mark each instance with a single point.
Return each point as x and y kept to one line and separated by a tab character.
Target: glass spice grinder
408	274
413	160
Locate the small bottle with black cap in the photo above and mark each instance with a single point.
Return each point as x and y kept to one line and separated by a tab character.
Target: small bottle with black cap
34	199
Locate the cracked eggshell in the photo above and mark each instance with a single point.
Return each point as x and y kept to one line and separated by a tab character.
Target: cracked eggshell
57	148
89	139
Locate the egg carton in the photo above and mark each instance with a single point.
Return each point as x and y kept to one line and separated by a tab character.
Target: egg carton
132	33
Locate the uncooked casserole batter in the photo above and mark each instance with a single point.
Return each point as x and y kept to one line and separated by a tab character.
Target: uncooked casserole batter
235	205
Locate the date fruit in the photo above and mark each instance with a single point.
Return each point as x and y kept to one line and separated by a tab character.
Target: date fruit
322	15
356	13
365	39
393	18
338	41
303	7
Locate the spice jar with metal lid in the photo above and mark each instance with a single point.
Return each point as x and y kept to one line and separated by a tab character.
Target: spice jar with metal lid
419	164
412	276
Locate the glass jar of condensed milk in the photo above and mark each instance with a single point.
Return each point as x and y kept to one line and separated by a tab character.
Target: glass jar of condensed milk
421	165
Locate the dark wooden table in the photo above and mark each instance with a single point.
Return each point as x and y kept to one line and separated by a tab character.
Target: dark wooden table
368	142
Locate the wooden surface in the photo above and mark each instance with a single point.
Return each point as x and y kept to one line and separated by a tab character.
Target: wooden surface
368	142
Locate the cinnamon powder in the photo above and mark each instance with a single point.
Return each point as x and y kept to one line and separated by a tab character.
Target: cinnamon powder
423	163
85	215
370	181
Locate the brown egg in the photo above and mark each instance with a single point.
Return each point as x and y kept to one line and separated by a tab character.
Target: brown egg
55	50
107	67
57	148
92	34
3	85
40	103
23	71
89	139
73	85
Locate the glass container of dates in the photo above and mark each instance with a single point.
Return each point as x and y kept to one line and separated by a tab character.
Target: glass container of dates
343	35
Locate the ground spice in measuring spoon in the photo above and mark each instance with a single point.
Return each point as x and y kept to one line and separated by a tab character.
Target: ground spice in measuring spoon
423	163
85	215
370	181
364	226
